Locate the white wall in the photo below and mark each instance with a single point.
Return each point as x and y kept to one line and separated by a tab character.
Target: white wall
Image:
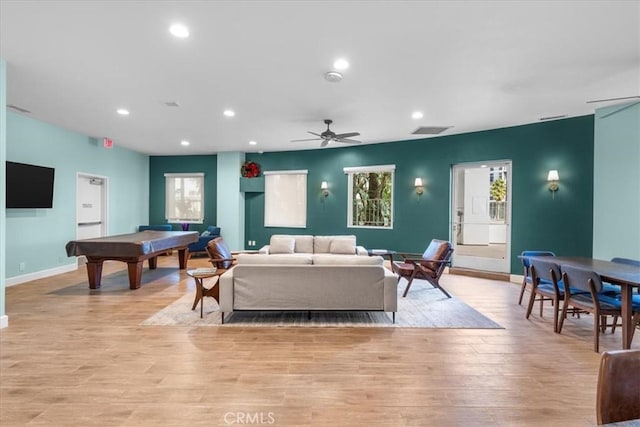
616	187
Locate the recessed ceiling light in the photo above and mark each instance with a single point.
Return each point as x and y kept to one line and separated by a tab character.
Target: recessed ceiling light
417	115
179	30
341	64
252	143
184	143
229	113
122	111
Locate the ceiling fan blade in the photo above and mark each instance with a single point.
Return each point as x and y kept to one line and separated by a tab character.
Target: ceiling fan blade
348	141
313	133
325	142
346	135
310	139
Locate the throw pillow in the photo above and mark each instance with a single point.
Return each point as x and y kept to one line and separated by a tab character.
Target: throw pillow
281	245
205	233
343	246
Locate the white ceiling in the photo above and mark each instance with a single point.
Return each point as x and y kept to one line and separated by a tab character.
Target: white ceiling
468	64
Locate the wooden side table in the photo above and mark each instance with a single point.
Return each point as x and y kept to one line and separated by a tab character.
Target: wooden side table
199	275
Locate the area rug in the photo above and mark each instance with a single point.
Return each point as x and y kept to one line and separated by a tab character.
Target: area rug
423	307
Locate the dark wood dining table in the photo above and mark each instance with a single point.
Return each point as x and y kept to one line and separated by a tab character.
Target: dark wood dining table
624	275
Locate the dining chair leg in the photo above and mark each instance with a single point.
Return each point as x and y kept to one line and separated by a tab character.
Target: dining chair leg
556	309
532	300
563	316
522	288
596	333
541	305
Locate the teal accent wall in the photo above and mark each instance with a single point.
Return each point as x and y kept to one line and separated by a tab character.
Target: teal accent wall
3	158
563	224
159	165
38	237
616	204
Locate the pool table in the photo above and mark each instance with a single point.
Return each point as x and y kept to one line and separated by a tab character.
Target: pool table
133	249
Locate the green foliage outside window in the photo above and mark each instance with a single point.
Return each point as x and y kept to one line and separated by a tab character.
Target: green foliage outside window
372	199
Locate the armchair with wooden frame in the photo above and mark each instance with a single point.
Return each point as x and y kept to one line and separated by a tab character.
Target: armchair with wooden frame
428	266
219	254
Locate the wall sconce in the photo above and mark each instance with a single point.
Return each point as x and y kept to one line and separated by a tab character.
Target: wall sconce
419	186
325	188
553	179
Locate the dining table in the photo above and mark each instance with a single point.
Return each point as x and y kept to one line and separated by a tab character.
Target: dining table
624	275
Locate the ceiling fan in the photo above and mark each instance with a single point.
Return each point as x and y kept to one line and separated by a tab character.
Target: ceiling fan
329	136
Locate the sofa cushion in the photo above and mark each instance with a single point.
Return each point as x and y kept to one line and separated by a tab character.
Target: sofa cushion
322	244
331	259
277	259
303	242
281	245
343	245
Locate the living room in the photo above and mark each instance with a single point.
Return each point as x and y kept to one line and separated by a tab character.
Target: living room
596	153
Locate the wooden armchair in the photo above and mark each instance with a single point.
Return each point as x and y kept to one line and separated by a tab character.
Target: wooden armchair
219	254
429	266
618	398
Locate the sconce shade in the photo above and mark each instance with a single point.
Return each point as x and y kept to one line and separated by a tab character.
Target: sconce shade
419	186
325	188
553	176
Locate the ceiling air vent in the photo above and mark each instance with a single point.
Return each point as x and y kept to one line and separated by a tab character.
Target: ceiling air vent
18	109
430	130
171	104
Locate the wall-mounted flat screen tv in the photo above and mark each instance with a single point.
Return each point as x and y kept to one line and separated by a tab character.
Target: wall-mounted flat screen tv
29	186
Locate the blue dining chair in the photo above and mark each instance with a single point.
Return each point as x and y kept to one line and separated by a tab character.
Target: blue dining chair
524	257
545	281
614	290
583	291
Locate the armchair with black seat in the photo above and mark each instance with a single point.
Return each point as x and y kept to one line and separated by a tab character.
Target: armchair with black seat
203	240
429	266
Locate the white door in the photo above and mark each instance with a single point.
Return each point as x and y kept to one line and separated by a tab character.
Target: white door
480	216
91	202
475	209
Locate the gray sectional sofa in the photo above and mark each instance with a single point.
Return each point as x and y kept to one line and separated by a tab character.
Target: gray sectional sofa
309	273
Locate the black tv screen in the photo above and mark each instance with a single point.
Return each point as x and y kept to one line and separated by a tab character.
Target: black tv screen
29	186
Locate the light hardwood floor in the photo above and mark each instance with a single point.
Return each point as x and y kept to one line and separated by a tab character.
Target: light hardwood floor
75	357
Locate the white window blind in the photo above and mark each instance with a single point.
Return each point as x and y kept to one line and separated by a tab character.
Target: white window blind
184	197
285	198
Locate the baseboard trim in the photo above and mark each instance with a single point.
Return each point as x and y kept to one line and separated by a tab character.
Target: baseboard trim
491	275
4	321
12	281
516	278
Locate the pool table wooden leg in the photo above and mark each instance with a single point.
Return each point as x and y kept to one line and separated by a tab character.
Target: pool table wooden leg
94	273
153	262
183	257
135	274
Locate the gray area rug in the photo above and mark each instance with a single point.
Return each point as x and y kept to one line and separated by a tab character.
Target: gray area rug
424	307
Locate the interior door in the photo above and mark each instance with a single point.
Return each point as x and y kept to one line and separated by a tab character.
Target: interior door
480	216
90	207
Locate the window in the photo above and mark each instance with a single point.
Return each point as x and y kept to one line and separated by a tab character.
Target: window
370	202
184	197
285	198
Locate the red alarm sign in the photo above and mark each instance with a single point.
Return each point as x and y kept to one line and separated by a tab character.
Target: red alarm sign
108	143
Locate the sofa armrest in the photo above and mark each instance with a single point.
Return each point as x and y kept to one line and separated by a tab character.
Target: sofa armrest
360	250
